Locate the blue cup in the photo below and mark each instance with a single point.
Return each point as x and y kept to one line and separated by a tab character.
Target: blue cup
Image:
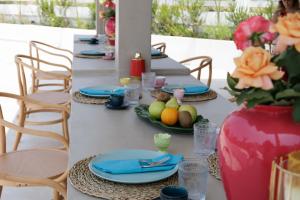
116	100
93	41
173	193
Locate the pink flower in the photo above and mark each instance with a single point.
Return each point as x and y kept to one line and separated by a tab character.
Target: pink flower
243	36
258	24
268	37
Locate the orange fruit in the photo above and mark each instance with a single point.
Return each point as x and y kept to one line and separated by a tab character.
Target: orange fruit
169	116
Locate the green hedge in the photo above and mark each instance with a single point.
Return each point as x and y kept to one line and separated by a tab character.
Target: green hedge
182	18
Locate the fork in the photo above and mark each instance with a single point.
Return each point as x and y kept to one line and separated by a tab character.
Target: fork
151	163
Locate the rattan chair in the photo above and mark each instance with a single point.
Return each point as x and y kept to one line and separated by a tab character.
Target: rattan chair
160	46
33	167
204	61
59	79
24	67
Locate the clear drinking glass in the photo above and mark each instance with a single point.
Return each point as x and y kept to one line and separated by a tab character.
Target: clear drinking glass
132	94
205	134
193	175
285	177
148	80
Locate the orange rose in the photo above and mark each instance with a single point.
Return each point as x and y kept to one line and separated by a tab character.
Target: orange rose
289	29
255	69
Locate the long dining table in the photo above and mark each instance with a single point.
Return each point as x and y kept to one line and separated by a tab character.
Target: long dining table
94	129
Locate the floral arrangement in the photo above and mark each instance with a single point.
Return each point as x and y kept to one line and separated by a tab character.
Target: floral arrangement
264	78
108	15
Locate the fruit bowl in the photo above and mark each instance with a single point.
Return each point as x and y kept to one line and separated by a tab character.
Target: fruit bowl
142	112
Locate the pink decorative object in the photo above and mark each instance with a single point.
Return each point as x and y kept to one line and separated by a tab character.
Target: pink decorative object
253	32
249	140
109	4
110	27
160	81
178	94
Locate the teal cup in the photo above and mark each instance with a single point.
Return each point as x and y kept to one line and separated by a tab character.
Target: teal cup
116	100
173	193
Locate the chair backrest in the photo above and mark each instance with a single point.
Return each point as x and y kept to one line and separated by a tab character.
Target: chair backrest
4	125
25	64
204	61
160	46
45	51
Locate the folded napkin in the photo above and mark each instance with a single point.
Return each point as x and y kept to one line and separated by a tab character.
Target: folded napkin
155	52
98	91
92	53
134	166
195	88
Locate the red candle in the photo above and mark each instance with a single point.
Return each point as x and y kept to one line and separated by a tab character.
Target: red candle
137	66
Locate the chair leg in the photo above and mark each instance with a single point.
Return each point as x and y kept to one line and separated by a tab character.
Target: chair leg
57	196
65	125
22	117
1	188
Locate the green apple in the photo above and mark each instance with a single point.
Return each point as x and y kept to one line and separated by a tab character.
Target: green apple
156	108
172	103
191	109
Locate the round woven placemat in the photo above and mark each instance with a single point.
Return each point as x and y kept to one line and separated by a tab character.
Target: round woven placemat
191	98
88	100
87	56
213	165
83	180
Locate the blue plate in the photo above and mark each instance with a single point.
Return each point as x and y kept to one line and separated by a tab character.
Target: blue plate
170	88
85	38
92	53
131	178
98	91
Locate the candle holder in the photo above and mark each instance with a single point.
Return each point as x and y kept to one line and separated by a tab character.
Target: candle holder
162	141
285	177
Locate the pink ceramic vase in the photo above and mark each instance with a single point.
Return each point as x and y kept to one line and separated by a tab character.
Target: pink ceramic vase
249	140
110	27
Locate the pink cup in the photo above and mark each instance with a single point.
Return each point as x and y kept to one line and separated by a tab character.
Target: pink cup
179	94
159	81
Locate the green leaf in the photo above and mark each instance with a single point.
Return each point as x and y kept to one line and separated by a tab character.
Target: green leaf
282	102
288	93
296	110
290	60
231	92
297	87
279	85
267	99
255	95
232	82
242	97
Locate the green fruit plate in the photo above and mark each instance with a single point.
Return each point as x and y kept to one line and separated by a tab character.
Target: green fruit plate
143	113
